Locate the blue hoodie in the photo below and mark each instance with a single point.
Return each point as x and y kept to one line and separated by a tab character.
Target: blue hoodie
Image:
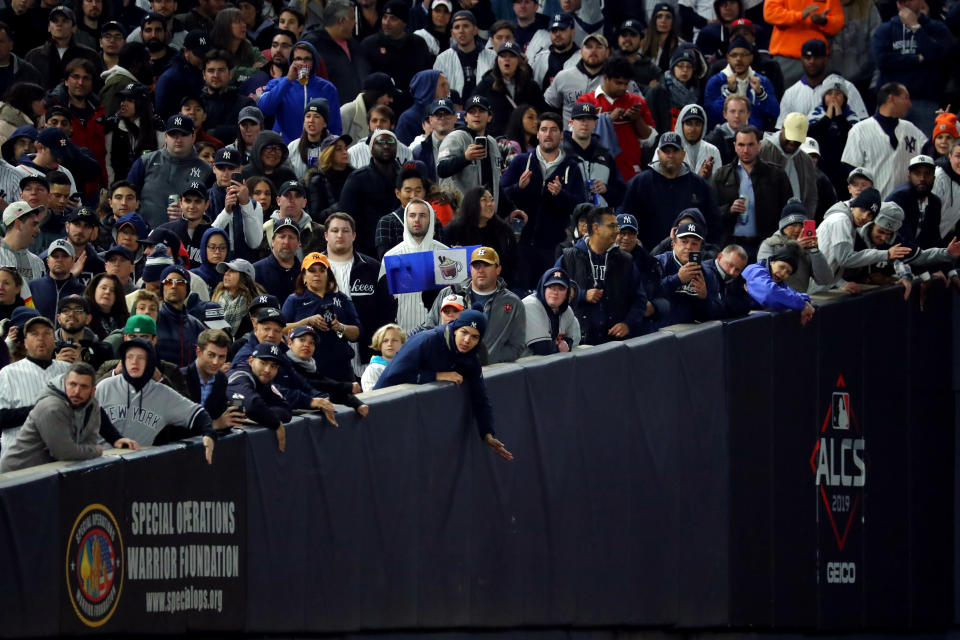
423	89
426	353
207	270
286	99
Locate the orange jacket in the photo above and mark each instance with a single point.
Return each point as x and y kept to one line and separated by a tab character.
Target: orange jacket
790	30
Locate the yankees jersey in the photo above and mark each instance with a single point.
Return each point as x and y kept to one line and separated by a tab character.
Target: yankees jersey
868	146
21	385
27	264
142	415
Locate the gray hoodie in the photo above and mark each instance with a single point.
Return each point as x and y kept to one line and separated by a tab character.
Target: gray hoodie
55	430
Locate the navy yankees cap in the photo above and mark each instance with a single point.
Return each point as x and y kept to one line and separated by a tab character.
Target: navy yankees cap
584	110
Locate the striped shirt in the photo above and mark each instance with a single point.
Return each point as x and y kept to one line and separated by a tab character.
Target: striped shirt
27	264
868	146
21	385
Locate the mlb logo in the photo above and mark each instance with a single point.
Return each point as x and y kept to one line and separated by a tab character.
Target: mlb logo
840	415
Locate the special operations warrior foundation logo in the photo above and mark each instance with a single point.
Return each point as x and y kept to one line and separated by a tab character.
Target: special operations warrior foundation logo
93	565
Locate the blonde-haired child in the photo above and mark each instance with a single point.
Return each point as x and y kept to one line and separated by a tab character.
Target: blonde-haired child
387	340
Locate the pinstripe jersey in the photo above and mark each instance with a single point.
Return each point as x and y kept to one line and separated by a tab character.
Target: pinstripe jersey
869	147
9	182
21	385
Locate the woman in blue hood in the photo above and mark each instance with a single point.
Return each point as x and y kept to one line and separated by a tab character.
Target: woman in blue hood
425	87
286	98
208	268
448	352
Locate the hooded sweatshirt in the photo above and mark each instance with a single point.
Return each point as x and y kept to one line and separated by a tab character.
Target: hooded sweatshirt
282	172
433	351
55	430
699	151
423	89
286	100
544	325
410	308
142	408
207	270
946	186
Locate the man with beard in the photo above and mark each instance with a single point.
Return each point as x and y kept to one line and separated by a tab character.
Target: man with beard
278	271
920	206
369	191
545	184
163	172
153	33
148	411
73	335
174	33
782	149
221	99
561	54
585	76
82	226
739	78
280	47
58	282
645	70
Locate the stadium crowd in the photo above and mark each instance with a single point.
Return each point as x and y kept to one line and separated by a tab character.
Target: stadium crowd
201	200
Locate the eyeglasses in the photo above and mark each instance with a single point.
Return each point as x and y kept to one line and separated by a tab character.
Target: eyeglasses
72	310
175	282
219	248
111	36
386	142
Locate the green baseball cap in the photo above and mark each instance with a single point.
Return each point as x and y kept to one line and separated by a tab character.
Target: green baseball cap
141	324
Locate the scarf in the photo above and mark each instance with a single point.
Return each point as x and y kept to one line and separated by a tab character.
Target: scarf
680	94
889	126
309	364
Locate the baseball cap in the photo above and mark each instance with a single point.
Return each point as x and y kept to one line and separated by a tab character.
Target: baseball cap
446	3
25	180
694	112
890	217
795	127
599	37
196	188
627	221
118	250
558	276
113	25
196	41
140	323
561	21
271	314
689	229
264	300
288	224
291	185
21	315
250	113
180	124
135	90
304	330
463	14
810	147
238	264
814	47
73	298
152	16
441	104
381	82
860	172
868	199
313	258
631	25
266	351
64	11
670	139
62	245
453	300
55	140
478	101
37	319
743	22
584	110
86	215
485	254
510	47
331	140
920	160
227	157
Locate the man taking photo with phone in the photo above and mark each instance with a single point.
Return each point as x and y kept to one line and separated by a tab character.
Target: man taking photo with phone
231	207
691	290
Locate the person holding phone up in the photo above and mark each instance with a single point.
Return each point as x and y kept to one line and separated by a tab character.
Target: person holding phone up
691	290
233	209
796	228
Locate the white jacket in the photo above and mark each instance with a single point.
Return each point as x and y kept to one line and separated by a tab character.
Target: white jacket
835	238
448	63
949	193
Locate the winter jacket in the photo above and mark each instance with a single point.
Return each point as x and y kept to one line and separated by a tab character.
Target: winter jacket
734	301
811	263
623	300
21	71
835	237
596	163
460	174
344	72
433	351
193	243
264	404
544	326
244	228
768	294
207	270
806	171
275	278
89	136
791	30
685	305
181	79
177	333
371	299
285	100
503	103
763	109
659	199
771	190
282	172
506	320
400	59
122	145
896	50
367	195
922	229
946	186
223	108
311	233
47	292
158	174
423	90
55	430
50	63
334	353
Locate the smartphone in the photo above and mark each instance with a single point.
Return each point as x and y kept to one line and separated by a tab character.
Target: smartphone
236	401
809	228
237	177
482	141
695	257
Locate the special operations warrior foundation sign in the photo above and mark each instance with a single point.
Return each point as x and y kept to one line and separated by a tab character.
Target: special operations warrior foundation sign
95	565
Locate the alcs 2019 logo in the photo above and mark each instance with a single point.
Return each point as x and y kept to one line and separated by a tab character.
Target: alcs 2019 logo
840	474
94	565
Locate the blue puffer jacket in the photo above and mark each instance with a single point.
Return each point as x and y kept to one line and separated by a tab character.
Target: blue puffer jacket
285	100
177	333
423	89
207	270
769	294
